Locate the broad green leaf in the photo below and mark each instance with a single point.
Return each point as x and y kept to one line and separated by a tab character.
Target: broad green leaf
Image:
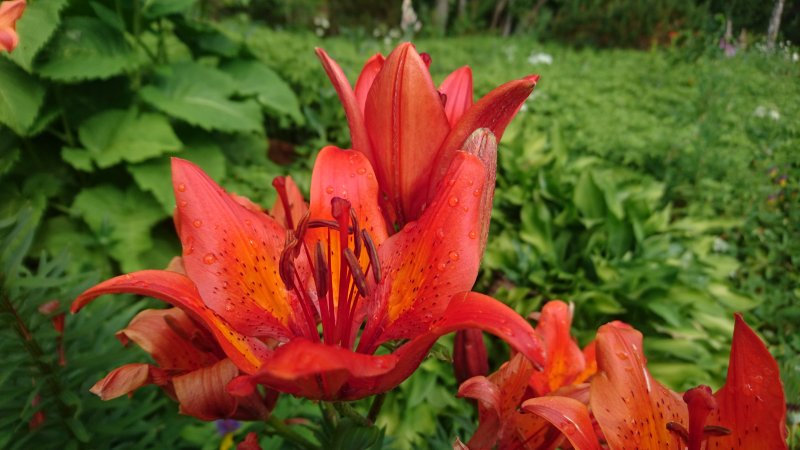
108	16
256	78
121	221
201	96
158	8
154	175
78	158
116	135
589	199
21	98
35	28
63	234
86	48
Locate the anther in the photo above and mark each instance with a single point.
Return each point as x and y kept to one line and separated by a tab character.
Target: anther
356	235
320	272
372	252
358	274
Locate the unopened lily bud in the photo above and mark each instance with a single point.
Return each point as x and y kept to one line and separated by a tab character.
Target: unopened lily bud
469	355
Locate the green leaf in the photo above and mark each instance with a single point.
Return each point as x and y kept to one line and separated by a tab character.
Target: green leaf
108	16
200	95
86	48
35	28
121	220
21	98
78	158
256	78
116	135
589	199
158	8
154	175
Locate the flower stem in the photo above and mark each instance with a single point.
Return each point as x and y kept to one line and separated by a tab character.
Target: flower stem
375	408
348	411
286	432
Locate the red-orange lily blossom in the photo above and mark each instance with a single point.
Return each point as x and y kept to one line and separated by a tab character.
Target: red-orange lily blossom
10	12
634	411
410	131
563	375
190	367
265	286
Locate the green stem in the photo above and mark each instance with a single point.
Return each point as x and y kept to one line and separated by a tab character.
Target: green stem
375	408
286	432
330	414
348	411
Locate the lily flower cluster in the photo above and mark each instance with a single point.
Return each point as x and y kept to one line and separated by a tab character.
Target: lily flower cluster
301	299
604	397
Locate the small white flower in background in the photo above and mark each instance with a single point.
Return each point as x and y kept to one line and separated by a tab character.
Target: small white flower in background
540	58
321	24
795	57
720	245
763	111
409	22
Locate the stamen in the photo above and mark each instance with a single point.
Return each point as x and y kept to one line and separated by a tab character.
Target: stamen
280	185
678	430
355	269
715	431
320	272
372	252
356	234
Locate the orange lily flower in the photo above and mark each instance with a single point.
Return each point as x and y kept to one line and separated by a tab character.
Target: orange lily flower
559	384
285	298
10	12
410	131
635	411
191	368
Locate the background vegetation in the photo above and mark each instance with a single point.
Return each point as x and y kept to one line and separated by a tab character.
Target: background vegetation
655	181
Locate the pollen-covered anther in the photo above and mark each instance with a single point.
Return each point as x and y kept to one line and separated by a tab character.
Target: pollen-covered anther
358	275
372	252
321	271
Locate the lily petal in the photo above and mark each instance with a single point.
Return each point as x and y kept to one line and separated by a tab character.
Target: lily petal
570	416
126	379
483	144
430	260
231	253
166	334
355	118
624	389
10	12
347	174
494	111
201	393
457	88
176	289
465	310
316	371
564	359
367	77
406	123
752	402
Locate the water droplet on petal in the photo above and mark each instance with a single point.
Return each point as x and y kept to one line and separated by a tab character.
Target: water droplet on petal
453	201
622	355
476	192
361	170
440	233
441	266
453	256
470	182
568	428
183	203
197	223
329	189
228	306
209	258
473	234
181	187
